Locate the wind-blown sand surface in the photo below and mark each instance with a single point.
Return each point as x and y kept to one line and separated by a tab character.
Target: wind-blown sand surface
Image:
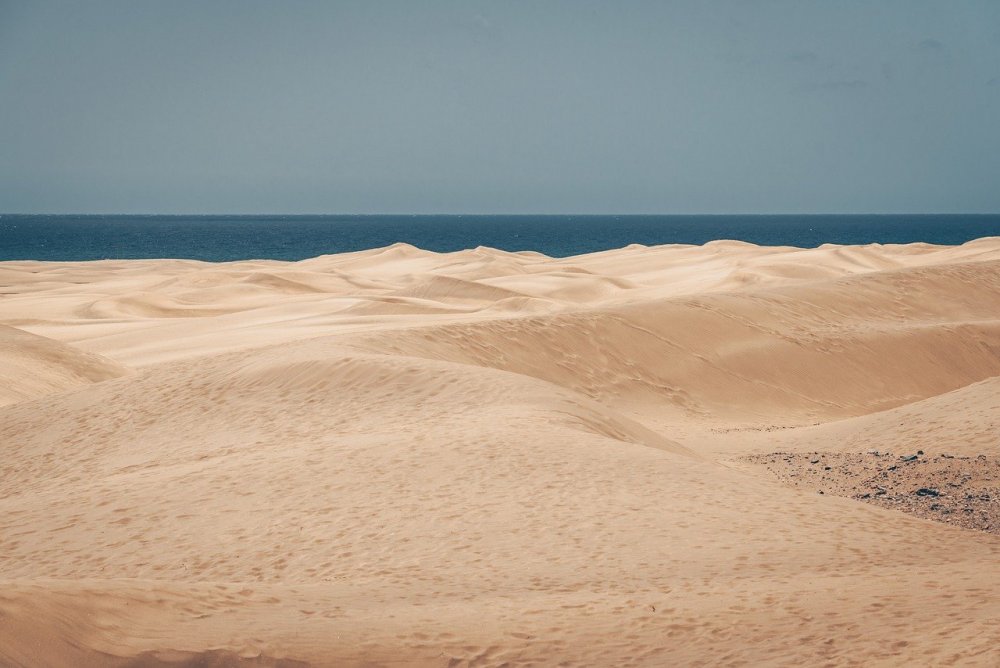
401	457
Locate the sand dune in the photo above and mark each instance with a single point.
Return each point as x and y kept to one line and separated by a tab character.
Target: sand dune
398	457
33	366
782	354
965	421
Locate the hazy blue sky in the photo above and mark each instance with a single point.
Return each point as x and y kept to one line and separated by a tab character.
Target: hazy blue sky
465	106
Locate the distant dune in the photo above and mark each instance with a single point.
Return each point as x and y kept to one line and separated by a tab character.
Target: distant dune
484	458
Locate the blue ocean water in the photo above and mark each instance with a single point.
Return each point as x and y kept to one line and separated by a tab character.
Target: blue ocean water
220	238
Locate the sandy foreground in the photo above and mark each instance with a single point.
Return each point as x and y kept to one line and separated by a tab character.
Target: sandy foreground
398	457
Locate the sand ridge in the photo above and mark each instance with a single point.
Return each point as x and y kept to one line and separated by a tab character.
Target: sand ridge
485	458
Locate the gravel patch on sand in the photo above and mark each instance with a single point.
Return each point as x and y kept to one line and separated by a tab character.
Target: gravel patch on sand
963	491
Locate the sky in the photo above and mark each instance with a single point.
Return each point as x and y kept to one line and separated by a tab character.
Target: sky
547	106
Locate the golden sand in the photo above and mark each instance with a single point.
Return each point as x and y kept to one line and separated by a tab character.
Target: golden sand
398	457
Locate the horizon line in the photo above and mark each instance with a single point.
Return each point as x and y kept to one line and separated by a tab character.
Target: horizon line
484	215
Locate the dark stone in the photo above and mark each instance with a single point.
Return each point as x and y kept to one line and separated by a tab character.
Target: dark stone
909	458
927	491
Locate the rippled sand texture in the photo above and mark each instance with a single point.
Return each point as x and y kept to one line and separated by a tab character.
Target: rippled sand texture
407	458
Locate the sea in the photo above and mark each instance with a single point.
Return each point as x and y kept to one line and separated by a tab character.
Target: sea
241	237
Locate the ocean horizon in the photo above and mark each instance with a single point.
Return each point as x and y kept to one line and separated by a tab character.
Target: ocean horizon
80	237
